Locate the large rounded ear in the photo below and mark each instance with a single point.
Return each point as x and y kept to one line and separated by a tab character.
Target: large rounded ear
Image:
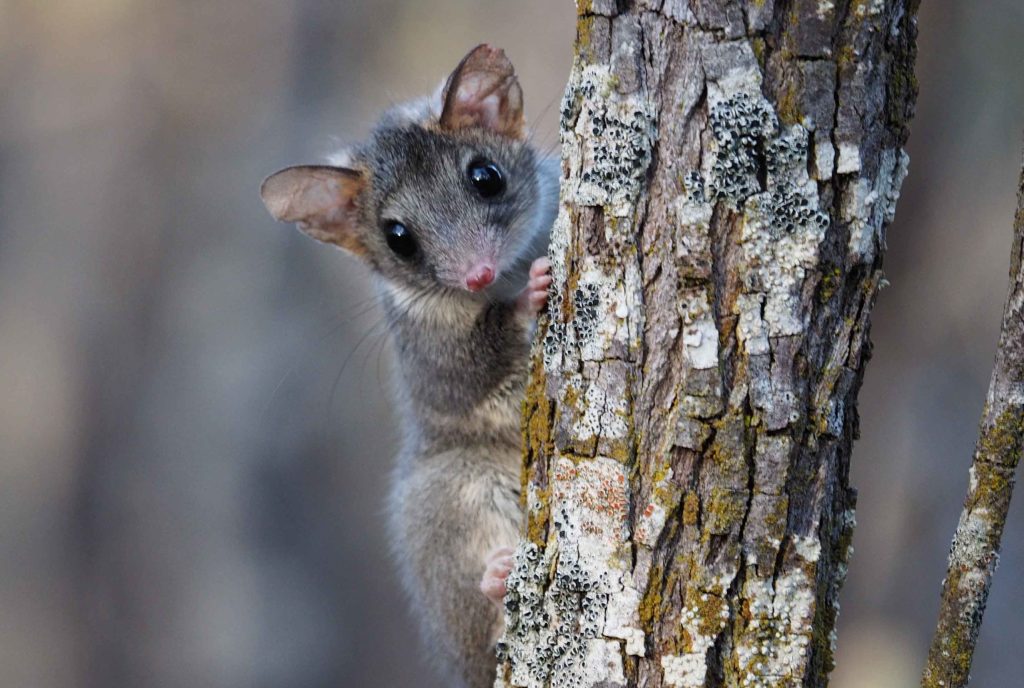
320	199
483	92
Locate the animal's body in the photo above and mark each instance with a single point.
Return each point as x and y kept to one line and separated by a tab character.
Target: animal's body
450	206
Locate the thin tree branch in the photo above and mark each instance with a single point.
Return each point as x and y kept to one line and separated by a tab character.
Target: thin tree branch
975	550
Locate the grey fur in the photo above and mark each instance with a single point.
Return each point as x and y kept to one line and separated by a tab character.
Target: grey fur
461	356
461	376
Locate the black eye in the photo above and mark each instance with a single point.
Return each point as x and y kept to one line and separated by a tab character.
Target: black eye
486	178
400	240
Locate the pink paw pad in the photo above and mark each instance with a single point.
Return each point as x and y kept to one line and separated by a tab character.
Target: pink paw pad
535	296
497	565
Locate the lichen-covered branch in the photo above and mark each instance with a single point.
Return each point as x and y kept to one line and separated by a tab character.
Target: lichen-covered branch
729	170
975	550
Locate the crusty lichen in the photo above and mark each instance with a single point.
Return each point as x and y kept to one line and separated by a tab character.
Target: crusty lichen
552	634
772	647
614	138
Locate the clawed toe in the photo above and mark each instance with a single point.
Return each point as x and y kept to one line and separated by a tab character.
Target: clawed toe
497	565
535	296
540	267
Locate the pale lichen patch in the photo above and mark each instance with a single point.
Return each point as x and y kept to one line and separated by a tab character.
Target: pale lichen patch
598	413
751	330
622	620
869	205
773	647
700	336
572	633
554	339
702	619
849	158
969	542
783	223
740	124
824	160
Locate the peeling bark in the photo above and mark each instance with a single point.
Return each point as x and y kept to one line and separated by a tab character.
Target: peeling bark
974	553
729	170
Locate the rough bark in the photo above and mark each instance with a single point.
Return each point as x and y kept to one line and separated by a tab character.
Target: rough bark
729	170
974	553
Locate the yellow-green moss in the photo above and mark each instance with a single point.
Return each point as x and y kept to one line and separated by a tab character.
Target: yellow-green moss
650	604
571	397
537	416
994	484
901	90
1001	442
847	57
691	509
537	443
723	510
663	490
537	520
957	652
788	103
610	85
708	608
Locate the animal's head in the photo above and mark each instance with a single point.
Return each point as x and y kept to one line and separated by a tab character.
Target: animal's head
441	196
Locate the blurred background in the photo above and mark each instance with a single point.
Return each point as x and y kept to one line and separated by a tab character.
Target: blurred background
194	439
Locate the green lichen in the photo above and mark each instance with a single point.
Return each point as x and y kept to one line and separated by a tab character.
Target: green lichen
822	657
537	519
760	50
709	608
726	452
663	491
901	87
830	281
610	85
619	449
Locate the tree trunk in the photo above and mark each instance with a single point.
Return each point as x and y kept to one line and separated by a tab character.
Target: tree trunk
975	551
729	169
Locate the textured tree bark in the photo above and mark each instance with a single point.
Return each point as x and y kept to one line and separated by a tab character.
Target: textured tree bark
729	170
975	550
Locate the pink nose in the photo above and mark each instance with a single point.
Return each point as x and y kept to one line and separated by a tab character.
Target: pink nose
479	277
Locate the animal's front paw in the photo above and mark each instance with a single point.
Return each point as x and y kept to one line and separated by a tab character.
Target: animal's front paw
535	296
497	566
